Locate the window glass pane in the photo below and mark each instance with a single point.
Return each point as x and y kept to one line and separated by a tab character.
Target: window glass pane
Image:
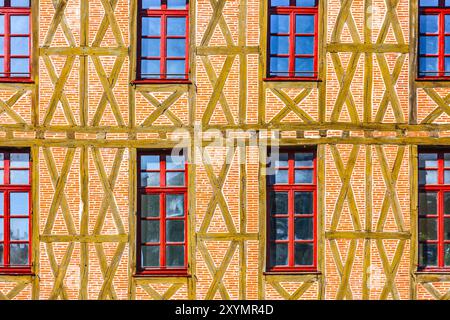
176	26
176	47
19	177
304	159
304	23
18	254
279	203
279	66
303	203
20	24
428	160
150	179
447	3
282	160
427	203
429	3
175	230
175	256
447	45
20	67
447	203
2	176
151	4
428	176
304	67
447	23
2	67
428	66
150	256
304	229
428	23
20	46
304	254
304	45
175	178
20	160
447	255
279	229
19	228
429	45
19	203
151	26
447	229
150	231
150	205
306	3
2	201
2	24
2	160
427	254
20	3
174	205
1	254
2	45
303	176
447	176
275	3
150	69
279	45
281	176
151	47
176	69
150	162
279	23
176	4
279	254
175	162
2	237
447	67
427	229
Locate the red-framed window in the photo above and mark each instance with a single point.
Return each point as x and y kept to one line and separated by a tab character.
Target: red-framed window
163	40
293	45
162	213
15	211
15	40
434	209
434	39
292	211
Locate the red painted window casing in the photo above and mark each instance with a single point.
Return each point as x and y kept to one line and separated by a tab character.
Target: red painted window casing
7	188
440	188
440	11
161	190
292	11
7	11
164	13
292	187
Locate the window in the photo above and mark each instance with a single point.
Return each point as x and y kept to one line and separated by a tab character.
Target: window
15	40
15	204
292	211
162	213
293	39
163	40
434	39
434	209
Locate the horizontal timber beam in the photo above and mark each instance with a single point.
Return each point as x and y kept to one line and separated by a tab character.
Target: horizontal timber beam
367	48
84	238
84	51
226	50
227	236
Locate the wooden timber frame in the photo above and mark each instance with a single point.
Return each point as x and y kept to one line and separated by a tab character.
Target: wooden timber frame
368	233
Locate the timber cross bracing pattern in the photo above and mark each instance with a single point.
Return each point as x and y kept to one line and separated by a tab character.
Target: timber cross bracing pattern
362	67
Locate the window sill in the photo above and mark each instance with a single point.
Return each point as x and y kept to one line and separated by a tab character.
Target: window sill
279	79
160	81
16	80
433	271
292	273
431	79
16	272
161	274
